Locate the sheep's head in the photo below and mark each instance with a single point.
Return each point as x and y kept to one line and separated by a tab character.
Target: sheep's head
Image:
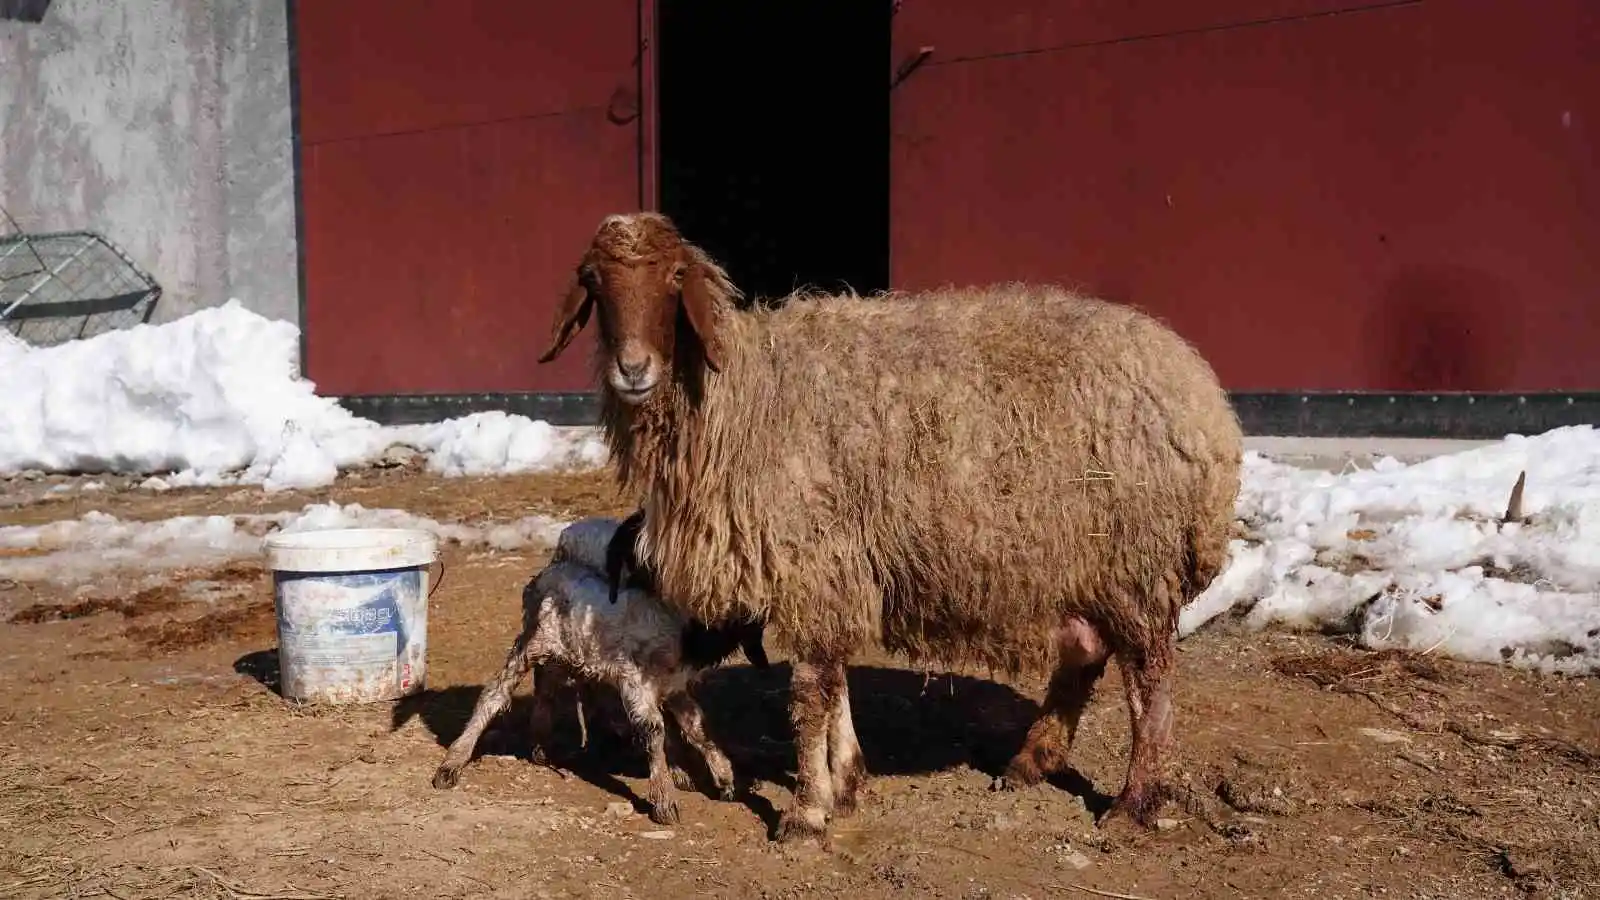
659	297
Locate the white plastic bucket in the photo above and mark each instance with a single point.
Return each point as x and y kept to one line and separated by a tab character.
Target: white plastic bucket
352	609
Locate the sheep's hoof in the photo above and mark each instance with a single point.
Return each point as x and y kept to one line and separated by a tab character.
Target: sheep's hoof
847	793
802	826
1138	807
682	780
1019	775
727	792
446	777
664	813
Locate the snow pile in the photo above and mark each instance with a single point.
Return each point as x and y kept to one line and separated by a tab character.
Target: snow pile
494	443
1417	557
215	397
76	551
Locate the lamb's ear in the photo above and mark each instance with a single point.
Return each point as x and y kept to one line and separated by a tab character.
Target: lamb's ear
705	289
570	318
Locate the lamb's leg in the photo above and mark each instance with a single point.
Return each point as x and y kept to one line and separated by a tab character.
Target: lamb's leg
1080	662
643	703
681	779
1149	687
691	722
847	767
807	815
495	698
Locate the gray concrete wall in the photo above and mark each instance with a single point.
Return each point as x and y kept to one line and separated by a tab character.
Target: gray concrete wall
164	125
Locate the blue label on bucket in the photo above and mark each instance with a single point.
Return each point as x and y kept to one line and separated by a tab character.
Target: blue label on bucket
372	615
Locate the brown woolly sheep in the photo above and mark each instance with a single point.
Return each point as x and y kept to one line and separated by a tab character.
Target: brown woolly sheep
986	476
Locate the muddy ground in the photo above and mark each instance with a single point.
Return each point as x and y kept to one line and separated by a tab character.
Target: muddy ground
144	753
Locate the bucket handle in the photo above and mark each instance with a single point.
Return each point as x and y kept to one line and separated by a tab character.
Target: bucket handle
437	579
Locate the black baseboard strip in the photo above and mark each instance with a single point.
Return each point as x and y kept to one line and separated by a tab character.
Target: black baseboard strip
1413	415
1444	415
412	409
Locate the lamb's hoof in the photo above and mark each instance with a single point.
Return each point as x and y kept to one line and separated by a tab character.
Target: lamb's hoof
802	827
682	781
727	792
446	777
664	813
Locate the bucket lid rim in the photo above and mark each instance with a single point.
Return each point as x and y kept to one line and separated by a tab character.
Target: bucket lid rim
327	538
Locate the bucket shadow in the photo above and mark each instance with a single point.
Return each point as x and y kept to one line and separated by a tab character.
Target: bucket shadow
906	725
261	665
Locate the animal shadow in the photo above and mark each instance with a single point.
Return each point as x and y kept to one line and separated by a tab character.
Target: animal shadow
907	725
597	750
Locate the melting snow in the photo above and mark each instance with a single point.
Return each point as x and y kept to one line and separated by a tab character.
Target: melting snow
215	398
1416	556
76	551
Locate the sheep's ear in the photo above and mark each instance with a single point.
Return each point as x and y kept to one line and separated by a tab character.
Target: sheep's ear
704	289
570	318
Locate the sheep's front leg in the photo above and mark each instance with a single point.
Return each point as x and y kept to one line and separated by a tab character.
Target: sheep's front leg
809	714
691	721
495	698
643	703
847	768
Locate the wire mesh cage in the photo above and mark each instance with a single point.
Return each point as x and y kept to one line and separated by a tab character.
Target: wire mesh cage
66	285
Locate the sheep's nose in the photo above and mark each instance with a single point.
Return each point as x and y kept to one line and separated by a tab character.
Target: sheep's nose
633	367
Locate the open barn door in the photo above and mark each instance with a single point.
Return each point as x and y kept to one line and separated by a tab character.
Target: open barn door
454	161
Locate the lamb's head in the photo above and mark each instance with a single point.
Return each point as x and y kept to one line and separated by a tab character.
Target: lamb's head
660	300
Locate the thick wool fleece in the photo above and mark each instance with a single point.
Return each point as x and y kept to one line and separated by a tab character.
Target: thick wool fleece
952	473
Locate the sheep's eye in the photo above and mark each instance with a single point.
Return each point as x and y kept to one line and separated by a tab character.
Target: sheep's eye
677	274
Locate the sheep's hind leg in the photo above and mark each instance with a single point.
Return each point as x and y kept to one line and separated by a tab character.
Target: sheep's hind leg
847	767
807	815
643	704
1081	661
691	722
1148	680
495	698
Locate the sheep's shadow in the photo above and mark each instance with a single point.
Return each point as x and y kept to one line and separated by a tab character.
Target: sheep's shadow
908	724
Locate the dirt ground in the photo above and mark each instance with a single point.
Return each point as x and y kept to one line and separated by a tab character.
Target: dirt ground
144	753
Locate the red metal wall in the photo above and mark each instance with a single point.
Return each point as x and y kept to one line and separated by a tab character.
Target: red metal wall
455	159
1398	198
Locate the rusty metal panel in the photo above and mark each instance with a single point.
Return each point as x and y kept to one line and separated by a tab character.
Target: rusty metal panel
455	159
1401	199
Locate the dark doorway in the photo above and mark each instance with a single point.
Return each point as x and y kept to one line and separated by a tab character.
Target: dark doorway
774	138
